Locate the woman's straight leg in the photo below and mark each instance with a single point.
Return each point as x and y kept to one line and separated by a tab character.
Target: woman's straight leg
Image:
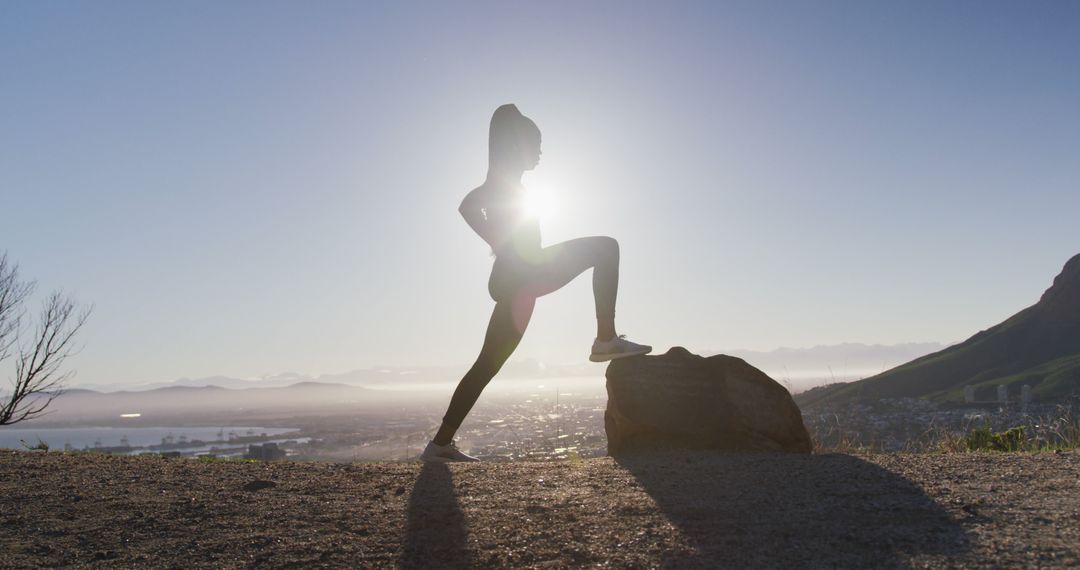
557	265
505	329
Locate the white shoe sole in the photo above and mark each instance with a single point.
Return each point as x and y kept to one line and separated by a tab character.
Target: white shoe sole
614	355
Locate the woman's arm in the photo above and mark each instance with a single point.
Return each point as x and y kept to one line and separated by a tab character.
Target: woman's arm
492	216
474	214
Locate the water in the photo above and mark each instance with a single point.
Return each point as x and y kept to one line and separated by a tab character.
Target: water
91	437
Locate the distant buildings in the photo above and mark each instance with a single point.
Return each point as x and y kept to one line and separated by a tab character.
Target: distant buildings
265	452
1002	394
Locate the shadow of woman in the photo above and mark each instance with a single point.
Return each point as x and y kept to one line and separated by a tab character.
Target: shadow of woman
765	510
436	535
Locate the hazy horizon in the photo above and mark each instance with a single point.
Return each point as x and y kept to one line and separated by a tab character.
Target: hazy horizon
797	368
248	188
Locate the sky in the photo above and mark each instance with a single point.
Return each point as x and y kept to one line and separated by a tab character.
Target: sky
248	188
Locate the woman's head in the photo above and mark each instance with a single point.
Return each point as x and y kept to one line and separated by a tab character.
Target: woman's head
513	141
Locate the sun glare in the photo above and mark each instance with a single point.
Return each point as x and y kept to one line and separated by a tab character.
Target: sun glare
539	202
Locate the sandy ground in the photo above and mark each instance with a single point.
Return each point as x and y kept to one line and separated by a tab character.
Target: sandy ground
671	510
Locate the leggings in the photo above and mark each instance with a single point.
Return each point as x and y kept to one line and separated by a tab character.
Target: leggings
515	285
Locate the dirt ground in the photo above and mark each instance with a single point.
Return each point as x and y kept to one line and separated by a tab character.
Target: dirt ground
669	510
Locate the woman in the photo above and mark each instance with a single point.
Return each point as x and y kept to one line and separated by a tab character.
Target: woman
523	270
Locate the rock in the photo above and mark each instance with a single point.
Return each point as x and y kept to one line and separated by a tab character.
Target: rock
682	400
1061	302
258	485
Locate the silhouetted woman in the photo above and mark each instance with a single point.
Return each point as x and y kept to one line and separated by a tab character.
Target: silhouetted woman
523	270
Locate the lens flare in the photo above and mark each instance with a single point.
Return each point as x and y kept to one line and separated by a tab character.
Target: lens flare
539	202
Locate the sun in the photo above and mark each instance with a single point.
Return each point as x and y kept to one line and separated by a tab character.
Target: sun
539	202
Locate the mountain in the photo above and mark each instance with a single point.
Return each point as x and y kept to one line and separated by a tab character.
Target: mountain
803	368
797	368
1039	346
381	377
183	403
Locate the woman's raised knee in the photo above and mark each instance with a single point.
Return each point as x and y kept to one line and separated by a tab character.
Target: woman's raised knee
608	246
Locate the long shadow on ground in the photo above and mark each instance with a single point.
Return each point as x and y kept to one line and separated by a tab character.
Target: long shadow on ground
785	510
435	529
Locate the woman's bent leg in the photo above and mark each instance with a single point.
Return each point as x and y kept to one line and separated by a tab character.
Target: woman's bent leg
562	262
505	329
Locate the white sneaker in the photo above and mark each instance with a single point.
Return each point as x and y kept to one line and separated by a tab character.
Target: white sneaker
617	347
434	453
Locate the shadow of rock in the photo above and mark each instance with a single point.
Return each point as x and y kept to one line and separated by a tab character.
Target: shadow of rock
775	510
436	535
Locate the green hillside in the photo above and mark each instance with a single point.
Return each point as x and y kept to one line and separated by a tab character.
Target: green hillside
1039	346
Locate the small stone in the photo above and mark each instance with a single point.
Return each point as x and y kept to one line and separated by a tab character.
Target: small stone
259	484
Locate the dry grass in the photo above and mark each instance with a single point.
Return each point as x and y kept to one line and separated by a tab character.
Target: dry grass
1061	431
1057	431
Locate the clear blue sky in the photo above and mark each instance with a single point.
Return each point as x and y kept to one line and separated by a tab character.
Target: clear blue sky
249	188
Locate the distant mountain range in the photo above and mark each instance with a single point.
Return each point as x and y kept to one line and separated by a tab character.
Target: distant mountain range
802	368
382	377
1039	346
799	368
195	403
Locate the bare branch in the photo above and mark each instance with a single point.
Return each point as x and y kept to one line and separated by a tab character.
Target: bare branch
38	379
12	294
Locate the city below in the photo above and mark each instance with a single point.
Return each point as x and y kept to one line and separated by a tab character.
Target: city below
540	425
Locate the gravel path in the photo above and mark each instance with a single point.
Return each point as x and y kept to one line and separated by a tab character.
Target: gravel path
671	510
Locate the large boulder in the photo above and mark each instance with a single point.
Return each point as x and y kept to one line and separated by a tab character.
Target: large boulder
682	400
